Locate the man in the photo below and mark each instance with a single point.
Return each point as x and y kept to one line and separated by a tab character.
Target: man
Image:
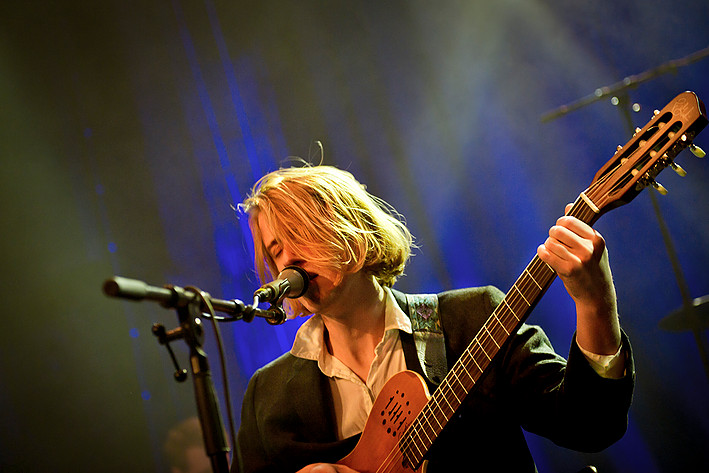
304	411
184	448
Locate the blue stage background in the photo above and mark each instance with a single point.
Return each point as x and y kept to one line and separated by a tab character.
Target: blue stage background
129	129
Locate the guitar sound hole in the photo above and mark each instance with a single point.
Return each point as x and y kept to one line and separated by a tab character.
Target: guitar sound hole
396	413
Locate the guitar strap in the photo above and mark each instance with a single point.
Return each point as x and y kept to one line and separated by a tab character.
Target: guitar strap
428	335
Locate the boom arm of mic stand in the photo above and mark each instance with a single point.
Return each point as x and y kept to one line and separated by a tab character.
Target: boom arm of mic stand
171	296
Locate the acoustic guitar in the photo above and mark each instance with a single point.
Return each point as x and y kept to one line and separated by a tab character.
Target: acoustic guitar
404	420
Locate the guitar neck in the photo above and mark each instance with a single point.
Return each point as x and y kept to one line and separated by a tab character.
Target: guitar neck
504	321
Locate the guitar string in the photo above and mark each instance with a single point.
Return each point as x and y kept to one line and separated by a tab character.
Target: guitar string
511	300
499	319
515	302
492	331
536	271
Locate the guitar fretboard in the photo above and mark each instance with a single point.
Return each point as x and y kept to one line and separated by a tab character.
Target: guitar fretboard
461	378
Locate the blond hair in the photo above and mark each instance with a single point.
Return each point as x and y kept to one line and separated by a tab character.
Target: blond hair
328	219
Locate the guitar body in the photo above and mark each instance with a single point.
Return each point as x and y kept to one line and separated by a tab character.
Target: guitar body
396	406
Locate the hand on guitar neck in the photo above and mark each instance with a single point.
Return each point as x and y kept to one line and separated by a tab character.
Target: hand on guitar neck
578	255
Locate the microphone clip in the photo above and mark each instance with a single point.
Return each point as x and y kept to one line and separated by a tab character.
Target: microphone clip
277	315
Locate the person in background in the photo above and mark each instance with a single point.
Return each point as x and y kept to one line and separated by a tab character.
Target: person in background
184	448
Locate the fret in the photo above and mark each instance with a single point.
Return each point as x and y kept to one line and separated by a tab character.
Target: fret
491	336
456	398
445	416
526	270
499	322
521	294
483	349
503	327
426	415
427	437
510	308
461	366
417	441
454	376
464	387
439	427
477	365
440	408
420	454
407	457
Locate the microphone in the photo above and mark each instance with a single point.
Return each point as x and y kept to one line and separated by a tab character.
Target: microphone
292	282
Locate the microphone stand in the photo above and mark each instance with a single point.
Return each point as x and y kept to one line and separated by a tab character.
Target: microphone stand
190	304
620	97
207	406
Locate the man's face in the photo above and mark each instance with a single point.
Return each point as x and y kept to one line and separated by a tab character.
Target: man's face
323	282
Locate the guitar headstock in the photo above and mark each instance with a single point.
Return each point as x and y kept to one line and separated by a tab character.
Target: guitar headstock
651	149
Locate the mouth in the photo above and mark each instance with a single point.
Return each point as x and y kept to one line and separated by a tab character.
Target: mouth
312	288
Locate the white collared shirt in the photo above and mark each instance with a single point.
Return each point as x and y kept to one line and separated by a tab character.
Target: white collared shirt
353	398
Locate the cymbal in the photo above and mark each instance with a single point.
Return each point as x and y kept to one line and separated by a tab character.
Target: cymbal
681	319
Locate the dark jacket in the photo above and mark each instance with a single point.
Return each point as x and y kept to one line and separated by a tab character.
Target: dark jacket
288	418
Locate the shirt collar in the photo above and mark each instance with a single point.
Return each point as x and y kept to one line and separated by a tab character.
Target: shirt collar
309	341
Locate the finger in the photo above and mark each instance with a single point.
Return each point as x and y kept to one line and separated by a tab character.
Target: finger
558	257
318	468
577	226
331	468
570	239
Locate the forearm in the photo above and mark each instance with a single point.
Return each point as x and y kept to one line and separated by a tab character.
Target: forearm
597	326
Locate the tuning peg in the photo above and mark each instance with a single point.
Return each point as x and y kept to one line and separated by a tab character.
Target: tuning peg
658	187
678	169
697	151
